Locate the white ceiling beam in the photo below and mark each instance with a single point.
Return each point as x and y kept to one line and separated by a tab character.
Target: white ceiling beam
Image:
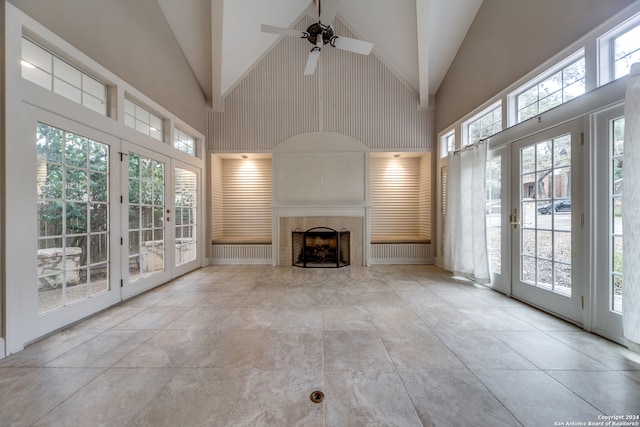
217	9
422	23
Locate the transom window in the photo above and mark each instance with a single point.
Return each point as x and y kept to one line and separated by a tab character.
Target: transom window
143	120
447	144
47	70
551	90
626	51
484	126
184	142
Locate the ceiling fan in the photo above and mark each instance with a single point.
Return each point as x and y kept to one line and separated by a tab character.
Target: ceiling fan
321	33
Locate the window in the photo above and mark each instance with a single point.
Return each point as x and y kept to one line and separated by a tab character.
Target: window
443	206
483	126
494	225
146	217
73	217
186	199
184	142
618	49
45	69
552	89
142	120
447	144
615	210
626	51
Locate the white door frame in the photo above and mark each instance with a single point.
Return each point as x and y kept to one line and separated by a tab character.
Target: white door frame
604	321
197	262
130	289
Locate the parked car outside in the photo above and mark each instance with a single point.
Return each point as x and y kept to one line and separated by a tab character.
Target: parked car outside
558	206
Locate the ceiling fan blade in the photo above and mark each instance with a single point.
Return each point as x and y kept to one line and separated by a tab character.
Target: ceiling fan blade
352	45
312	62
328	10
282	31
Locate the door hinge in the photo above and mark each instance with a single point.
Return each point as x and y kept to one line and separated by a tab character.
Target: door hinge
121	199
581	138
582	303
122	155
582	221
121	283
121	241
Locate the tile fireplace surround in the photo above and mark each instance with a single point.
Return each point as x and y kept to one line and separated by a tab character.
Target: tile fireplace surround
287	224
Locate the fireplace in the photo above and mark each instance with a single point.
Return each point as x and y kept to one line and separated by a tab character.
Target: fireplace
321	247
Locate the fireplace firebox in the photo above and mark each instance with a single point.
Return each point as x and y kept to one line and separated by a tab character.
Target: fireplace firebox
320	247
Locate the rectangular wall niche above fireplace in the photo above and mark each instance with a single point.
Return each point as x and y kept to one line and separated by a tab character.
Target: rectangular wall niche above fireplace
320	247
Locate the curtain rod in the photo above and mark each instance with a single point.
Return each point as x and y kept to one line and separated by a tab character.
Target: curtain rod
470	146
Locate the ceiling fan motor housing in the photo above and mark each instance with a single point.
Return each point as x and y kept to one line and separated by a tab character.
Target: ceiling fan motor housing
318	29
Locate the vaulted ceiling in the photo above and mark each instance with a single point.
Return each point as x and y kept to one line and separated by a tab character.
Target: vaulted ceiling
222	40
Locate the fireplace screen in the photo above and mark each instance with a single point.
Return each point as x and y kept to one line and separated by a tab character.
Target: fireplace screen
321	247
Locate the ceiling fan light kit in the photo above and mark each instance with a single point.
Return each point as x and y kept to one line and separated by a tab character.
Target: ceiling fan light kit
320	34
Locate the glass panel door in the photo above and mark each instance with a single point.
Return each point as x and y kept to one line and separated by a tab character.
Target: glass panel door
609	185
147	213
186	215
498	231
68	255
72	179
547	221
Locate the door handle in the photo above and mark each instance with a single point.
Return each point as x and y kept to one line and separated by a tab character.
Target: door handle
513	218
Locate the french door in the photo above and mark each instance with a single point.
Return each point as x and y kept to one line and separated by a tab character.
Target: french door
105	220
66	258
186	219
546	221
608	182
146	212
160	204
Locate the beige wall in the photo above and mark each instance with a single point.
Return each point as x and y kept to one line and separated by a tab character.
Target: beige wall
2	142
132	39
508	39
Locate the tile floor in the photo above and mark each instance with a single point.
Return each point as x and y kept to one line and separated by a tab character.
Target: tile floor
388	345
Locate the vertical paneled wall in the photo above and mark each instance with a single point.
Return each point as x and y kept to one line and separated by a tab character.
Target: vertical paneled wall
425	197
272	103
216	200
241	199
399	207
364	99
351	94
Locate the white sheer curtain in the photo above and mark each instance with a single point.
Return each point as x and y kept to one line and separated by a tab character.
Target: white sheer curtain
631	212
465	244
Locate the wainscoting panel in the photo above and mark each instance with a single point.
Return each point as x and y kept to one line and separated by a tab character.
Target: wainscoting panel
401	253
241	254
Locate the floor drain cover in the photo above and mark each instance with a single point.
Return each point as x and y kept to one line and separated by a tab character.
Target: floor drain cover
317	396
